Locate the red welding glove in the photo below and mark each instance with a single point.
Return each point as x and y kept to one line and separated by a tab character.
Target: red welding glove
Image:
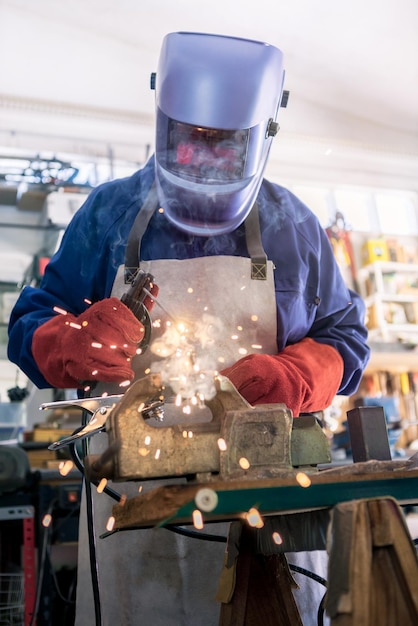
305	376
97	345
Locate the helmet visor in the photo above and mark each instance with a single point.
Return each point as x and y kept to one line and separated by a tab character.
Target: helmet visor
206	154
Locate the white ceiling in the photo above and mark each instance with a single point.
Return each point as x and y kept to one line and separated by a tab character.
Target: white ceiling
351	66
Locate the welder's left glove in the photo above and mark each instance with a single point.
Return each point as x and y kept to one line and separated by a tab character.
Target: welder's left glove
304	376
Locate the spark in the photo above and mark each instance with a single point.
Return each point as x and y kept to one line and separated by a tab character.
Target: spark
74	325
197	519
46	520
187	409
242	351
113	346
240	328
244	463
190	434
57	309
101	486
184	434
178	401
157	454
234	337
254	518
147	440
256	346
303	479
96	344
140	489
65	467
277	538
190	290
161	210
147	371
254	318
95	372
110	523
125	383
222	444
87	301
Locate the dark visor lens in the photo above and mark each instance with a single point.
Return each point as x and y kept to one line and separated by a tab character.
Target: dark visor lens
206	153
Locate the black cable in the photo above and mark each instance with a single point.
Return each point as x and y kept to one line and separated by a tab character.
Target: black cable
305	572
41	566
194	534
92	538
321	611
318	579
80	466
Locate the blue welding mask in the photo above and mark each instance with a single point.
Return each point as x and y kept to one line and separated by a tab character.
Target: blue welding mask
217	100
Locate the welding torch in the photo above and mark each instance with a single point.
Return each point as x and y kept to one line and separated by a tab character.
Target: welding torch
135	299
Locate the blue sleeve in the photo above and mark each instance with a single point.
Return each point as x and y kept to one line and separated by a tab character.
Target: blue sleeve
81	271
312	298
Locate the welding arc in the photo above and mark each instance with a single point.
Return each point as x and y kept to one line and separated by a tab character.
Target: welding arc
162	307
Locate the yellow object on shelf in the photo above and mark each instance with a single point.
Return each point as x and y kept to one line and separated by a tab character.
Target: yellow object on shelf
375	250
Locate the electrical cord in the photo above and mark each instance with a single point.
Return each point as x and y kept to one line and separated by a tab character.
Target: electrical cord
42	563
92	537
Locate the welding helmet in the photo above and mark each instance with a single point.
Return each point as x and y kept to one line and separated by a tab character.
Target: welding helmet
217	100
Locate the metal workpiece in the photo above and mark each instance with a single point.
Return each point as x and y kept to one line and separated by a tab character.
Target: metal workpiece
226	438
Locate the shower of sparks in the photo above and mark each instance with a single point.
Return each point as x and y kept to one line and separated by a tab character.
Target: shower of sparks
277	538
102	485
254	518
46	520
244	463
222	444
65	467
303	479
197	519
110	523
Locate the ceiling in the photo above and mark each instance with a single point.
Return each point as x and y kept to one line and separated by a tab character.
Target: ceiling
351	67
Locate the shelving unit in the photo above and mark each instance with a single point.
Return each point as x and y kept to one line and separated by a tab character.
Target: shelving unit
391	297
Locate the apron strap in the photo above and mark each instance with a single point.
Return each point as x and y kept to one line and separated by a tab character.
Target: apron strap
255	246
140	225
138	229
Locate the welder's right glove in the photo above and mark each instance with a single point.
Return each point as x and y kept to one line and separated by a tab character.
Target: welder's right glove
97	345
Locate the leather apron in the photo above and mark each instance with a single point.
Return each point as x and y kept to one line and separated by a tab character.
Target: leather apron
156	577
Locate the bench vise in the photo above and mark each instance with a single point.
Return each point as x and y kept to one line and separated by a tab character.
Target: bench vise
233	441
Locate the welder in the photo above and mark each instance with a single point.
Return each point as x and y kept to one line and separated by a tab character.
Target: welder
203	220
